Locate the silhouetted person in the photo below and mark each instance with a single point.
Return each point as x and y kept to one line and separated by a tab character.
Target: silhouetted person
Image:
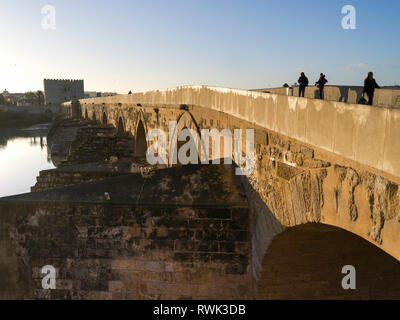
303	83
369	87
321	85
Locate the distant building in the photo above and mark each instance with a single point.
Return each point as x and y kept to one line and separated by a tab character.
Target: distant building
59	91
95	94
90	94
108	94
16	99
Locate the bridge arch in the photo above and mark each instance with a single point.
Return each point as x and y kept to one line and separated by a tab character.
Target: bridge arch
186	121
104	120
94	116
306	261
140	140
86	115
180	144
121	128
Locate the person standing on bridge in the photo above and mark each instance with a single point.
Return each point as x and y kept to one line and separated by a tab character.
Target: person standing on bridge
321	85
303	83
369	87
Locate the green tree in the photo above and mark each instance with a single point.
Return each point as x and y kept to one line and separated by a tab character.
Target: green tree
2	100
30	97
40	97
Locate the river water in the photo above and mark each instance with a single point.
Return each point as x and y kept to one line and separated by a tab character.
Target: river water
23	154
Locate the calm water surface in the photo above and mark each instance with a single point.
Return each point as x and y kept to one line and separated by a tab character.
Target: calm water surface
23	153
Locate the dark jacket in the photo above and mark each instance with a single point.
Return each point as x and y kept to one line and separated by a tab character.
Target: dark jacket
370	86
303	81
321	82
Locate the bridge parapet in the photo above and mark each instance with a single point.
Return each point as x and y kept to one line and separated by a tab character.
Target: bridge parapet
365	134
351	94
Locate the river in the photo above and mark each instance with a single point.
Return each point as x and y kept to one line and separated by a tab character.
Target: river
23	154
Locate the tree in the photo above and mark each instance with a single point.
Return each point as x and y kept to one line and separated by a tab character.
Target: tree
30	96
2	100
40	97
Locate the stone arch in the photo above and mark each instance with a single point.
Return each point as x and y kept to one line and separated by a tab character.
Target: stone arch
86	114
306	261
104	120
283	196
140	140
121	130
182	143
94	116
186	121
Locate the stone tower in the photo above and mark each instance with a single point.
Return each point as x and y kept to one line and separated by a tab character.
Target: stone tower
58	91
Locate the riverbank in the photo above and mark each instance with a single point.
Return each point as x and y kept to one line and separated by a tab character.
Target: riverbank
10	119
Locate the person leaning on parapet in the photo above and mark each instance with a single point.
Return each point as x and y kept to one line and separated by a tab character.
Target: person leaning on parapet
369	87
321	85
303	83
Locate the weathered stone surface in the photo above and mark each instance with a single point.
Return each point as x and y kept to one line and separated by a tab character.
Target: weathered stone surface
136	247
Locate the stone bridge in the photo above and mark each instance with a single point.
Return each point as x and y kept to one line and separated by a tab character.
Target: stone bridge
317	161
324	190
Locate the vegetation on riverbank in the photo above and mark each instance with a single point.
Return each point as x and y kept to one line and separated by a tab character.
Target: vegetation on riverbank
9	119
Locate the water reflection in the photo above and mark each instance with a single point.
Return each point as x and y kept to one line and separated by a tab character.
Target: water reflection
23	153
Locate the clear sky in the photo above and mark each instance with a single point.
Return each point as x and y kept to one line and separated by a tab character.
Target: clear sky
124	45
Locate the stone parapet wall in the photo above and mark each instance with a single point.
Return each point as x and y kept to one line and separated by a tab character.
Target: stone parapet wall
383	97
367	135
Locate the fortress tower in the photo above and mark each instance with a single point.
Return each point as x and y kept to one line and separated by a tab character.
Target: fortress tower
58	91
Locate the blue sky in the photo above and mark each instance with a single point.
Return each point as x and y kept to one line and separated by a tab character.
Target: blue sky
142	45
